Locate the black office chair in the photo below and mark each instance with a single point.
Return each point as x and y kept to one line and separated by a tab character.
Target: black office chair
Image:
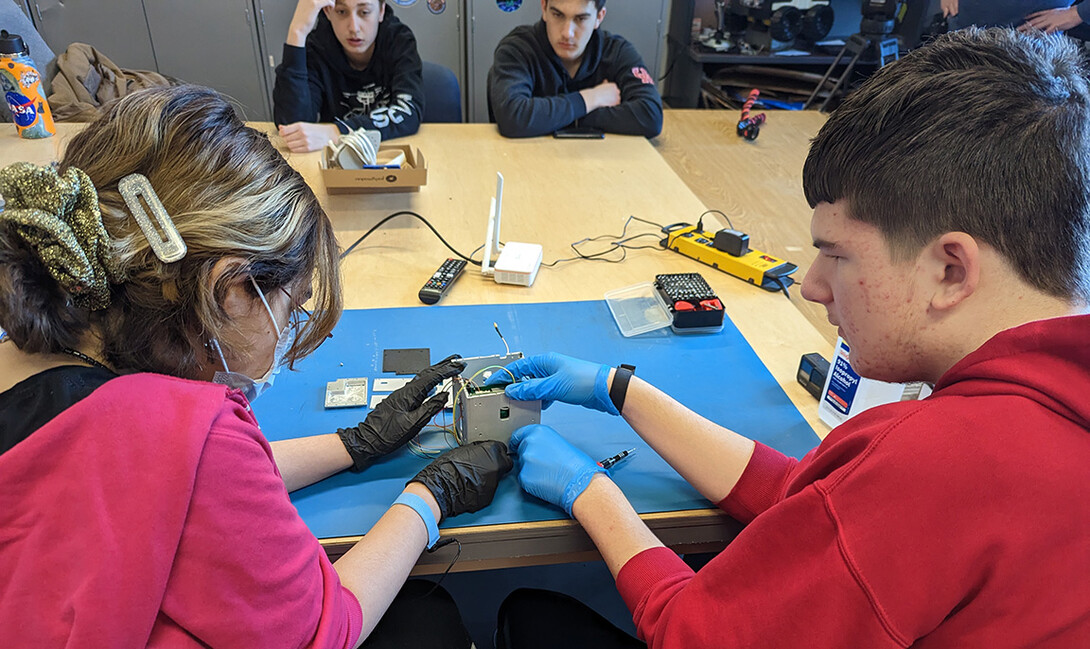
442	95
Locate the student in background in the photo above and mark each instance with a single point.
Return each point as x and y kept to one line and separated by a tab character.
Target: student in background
348	64
565	71
1064	19
1047	15
960	520
139	501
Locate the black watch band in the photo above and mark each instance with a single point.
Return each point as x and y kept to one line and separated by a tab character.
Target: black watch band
619	387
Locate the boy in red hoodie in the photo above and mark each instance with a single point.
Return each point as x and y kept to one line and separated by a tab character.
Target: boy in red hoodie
951	198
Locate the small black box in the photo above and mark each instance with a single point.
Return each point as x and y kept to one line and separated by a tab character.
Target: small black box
813	368
732	242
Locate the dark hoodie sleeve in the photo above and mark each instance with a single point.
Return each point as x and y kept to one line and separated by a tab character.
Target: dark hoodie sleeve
640	110
297	96
402	116
511	93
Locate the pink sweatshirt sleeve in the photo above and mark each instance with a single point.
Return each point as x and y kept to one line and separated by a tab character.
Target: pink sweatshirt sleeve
244	550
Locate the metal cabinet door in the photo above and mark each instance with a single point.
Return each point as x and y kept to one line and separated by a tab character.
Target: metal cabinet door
117	28
440	36
642	22
212	43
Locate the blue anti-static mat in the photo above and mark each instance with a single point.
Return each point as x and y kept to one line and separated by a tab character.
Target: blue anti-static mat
718	375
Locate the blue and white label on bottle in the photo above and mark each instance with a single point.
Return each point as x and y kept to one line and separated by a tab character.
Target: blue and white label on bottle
508	6
843	382
22	109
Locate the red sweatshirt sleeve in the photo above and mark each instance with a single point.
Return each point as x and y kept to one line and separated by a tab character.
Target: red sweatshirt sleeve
783	582
762	484
245	550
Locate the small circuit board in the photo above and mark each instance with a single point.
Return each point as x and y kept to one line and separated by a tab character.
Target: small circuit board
346	393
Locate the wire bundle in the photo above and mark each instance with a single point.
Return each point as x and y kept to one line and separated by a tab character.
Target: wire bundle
355	149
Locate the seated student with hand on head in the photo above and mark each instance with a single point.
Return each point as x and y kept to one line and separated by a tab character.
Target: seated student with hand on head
348	64
564	70
960	520
139	501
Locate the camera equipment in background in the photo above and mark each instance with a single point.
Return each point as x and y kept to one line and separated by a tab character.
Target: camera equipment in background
762	26
780	24
875	36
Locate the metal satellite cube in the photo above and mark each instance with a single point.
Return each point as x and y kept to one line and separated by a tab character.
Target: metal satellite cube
489	414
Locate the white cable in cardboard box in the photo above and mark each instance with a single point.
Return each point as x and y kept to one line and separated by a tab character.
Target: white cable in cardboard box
517	263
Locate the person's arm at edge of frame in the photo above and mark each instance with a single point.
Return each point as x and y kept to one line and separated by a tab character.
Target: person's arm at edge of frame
518	113
640	110
1056	20
375	568
461	480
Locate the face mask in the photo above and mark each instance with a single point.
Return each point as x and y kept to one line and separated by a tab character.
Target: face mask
253	388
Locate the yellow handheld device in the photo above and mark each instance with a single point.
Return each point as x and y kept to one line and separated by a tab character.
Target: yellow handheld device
728	251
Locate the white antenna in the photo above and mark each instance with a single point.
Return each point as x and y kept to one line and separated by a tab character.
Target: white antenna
499	209
492	232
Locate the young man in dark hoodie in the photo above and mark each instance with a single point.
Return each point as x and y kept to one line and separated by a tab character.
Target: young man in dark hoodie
961	520
565	71
359	69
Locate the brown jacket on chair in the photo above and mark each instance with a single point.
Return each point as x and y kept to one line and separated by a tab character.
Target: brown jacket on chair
86	83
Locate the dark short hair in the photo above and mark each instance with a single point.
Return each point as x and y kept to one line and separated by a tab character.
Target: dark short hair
598	4
985	132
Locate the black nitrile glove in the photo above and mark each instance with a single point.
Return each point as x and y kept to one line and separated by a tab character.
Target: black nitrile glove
400	416
464	479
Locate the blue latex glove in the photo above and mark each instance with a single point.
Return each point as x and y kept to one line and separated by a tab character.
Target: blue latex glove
550	467
555	377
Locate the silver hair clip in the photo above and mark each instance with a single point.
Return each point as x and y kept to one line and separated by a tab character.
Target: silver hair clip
166	242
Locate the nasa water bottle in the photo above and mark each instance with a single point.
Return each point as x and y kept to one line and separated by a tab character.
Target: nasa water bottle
22	86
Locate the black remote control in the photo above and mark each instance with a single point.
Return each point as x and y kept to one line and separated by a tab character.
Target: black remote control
441	280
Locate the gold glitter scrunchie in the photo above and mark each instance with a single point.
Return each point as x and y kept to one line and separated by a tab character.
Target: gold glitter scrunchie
59	217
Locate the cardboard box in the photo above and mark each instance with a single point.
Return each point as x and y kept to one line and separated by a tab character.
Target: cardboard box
412	175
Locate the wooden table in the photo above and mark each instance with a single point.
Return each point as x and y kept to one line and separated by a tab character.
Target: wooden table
556	192
757	183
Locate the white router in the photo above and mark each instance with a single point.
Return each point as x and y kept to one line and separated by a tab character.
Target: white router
517	263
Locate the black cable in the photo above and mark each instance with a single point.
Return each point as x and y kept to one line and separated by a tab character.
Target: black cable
700	221
440	544
783	285
598	256
673	61
406	213
615	245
